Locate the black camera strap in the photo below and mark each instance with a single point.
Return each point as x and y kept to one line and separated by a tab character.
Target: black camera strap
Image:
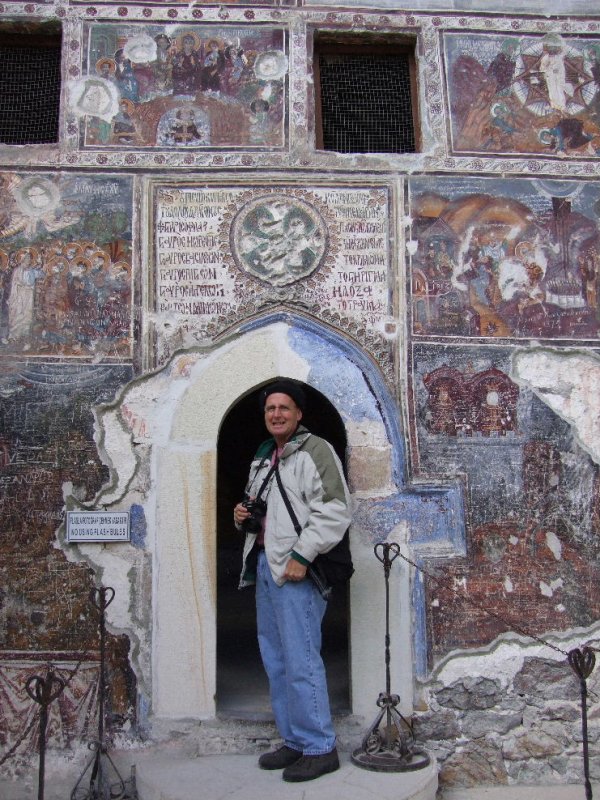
286	500
317	577
267	479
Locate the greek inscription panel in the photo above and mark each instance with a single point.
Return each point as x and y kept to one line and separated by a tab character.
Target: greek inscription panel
223	253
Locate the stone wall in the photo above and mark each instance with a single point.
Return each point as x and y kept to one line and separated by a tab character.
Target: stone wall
184	241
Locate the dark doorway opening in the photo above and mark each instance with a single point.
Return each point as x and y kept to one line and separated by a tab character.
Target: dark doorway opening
242	689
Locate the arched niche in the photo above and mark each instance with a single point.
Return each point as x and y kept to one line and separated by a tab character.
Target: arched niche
184	639
161	437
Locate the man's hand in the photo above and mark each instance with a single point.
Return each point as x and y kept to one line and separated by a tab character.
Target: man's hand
294	570
240	513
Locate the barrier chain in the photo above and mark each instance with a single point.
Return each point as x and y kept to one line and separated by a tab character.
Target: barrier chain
581	661
376	748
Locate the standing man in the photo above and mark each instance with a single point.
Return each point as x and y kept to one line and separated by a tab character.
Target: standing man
288	604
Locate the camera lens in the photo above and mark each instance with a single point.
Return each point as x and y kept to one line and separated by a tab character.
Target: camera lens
257	510
252	525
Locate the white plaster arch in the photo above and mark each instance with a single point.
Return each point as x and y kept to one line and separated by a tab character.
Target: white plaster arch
185	617
176	414
185	476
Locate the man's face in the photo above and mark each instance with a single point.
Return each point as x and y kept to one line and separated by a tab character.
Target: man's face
282	416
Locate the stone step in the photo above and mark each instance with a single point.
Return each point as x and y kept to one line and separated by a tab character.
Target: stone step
167	772
237	777
563	792
255	734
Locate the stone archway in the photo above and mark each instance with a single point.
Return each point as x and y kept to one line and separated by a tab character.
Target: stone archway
163	434
184	638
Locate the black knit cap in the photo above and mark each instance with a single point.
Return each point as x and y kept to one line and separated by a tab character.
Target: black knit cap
284	386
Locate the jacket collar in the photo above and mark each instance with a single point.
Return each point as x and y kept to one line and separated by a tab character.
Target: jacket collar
295	443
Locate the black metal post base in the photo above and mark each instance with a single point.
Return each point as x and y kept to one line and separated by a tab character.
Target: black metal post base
105	781
390	747
390	761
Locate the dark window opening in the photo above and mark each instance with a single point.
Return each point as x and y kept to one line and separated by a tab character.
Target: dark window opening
30	72
366	94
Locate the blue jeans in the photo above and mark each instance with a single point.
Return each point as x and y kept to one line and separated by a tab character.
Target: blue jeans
289	636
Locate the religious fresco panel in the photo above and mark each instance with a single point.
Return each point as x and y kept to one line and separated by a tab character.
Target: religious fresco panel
533	500
179	86
225	253
65	266
46	442
523	94
513	258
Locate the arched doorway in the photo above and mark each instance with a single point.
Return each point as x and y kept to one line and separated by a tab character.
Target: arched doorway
179	416
242	690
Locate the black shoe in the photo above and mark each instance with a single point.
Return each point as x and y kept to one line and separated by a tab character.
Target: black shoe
307	768
284	756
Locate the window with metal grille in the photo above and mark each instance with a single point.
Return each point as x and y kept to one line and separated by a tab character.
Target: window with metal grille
29	86
365	95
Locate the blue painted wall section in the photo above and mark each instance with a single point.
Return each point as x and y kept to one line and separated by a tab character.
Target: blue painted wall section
434	513
138	526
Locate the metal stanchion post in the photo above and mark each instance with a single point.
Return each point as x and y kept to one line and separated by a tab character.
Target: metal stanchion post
43	691
582	662
100	787
390	748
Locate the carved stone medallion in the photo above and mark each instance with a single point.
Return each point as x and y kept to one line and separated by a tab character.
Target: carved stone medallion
278	239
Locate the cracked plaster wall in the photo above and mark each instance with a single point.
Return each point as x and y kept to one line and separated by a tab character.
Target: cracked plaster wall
569	383
156	441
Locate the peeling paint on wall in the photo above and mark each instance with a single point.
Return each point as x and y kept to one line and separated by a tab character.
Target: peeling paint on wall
569	383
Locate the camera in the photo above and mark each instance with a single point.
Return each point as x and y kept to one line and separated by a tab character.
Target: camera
257	509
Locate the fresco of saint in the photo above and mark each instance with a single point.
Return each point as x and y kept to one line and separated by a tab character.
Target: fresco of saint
534	94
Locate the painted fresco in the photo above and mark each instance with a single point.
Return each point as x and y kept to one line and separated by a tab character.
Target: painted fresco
65	266
190	87
533	501
47	442
249	14
528	94
71	719
505	258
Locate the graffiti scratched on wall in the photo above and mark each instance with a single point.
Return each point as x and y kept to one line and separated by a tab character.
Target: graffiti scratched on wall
174	86
47	440
512	259
65	266
527	94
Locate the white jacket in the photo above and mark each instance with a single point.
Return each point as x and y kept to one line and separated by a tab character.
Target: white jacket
314	482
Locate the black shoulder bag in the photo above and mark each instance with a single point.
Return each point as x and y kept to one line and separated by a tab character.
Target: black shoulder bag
330	569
